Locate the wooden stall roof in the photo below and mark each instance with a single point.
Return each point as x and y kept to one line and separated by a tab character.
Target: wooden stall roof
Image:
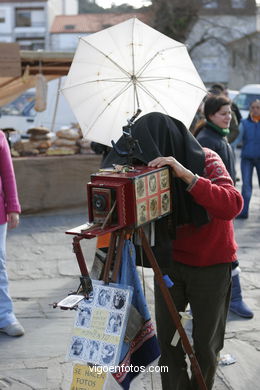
51	64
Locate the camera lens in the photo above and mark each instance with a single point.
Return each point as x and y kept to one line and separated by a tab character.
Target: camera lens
99	202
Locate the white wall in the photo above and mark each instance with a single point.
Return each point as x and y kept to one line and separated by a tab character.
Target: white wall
64	42
6	27
64	7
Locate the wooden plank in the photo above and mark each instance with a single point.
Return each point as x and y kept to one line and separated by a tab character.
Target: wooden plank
10	62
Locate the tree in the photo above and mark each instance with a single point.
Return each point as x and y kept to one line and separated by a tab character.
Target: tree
175	18
89	6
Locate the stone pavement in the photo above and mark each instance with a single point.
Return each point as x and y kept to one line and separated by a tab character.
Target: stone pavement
42	269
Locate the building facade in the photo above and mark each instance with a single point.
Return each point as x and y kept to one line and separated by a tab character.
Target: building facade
28	22
66	29
244	61
220	22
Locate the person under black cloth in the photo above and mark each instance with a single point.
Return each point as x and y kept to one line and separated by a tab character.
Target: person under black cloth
153	144
198	259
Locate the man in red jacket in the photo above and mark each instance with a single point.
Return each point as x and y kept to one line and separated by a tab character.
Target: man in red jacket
201	272
194	246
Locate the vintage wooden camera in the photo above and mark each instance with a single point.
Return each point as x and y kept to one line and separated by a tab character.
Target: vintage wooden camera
131	199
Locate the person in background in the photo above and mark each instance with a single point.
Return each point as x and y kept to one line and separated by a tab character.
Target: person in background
213	135
250	153
220	89
9	217
194	246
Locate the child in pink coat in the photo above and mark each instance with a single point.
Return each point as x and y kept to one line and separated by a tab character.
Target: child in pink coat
9	217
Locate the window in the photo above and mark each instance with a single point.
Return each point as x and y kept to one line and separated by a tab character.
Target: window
2	16
210	3
31	43
29	17
238	3
69	27
22	18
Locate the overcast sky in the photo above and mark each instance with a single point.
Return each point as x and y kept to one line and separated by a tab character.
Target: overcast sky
134	3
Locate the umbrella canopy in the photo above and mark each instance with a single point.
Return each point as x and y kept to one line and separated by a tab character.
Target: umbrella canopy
125	67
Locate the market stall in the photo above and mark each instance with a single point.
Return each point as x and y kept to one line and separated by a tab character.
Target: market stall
51	173
54	182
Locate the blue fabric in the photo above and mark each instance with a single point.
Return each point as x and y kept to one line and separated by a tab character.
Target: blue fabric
247	167
144	349
250	139
6	306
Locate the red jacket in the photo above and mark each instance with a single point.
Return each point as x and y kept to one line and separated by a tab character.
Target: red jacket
214	242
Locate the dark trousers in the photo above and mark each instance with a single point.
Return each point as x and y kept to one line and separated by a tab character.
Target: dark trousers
247	168
207	290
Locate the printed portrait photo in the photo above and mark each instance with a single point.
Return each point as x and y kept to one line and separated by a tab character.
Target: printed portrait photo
119	300
92	351
165	202
141	213
152	184
104	297
153	205
108	354
83	317
76	349
114	323
140	188
164	178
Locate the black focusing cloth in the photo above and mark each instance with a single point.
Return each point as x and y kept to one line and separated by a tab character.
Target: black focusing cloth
160	135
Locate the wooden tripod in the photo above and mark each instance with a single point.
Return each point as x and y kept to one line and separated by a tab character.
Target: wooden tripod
113	262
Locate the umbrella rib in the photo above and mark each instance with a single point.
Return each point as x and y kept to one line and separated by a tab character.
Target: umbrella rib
142	69
151	95
111	101
116	80
107	56
143	79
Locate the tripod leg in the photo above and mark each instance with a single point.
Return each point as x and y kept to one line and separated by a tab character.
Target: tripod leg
118	256
79	255
109	259
173	312
85	280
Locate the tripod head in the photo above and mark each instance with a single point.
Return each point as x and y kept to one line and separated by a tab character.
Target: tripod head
131	144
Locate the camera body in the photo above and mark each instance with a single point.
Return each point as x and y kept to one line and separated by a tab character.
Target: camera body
129	199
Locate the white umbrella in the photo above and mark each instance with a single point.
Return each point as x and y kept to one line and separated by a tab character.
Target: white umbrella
125	67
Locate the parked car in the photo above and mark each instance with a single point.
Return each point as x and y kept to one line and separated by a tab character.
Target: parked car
232	93
21	115
246	96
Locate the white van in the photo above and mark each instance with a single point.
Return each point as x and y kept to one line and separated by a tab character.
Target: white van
21	115
246	96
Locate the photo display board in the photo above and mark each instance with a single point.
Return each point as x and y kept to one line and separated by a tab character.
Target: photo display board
100	325
153	196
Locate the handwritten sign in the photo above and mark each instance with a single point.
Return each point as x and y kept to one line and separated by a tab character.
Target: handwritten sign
85	378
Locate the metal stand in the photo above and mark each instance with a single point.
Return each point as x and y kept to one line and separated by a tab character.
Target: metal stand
112	264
